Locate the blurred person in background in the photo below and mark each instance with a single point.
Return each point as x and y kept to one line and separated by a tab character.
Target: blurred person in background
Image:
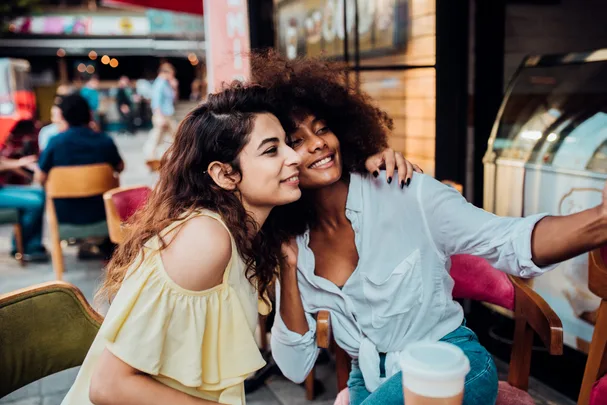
163	108
196	93
80	145
29	201
57	124
90	92
124	102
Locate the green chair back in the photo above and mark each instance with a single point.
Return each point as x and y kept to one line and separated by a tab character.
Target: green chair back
44	329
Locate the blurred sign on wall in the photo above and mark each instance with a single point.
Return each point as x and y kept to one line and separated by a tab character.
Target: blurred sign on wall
82	25
226	24
172	23
316	27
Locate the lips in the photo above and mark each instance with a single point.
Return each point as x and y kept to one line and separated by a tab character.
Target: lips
322	161
291	179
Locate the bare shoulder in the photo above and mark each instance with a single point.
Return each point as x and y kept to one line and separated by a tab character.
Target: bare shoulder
198	253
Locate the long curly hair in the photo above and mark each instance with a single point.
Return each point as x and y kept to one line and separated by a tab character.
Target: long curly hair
216	130
312	86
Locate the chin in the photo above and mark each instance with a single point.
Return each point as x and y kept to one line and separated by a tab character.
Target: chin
320	180
285	199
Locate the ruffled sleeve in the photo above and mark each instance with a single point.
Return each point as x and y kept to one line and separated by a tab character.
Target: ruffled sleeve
199	339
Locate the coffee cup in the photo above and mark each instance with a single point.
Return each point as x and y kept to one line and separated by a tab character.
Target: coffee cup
433	373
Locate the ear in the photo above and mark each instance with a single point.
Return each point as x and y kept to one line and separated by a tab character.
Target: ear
223	175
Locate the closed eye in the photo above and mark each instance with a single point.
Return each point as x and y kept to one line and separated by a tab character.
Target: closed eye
322	131
295	142
271	151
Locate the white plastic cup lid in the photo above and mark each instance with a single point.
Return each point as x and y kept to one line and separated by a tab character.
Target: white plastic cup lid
435	360
434	369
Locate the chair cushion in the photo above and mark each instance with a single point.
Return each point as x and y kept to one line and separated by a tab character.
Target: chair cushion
476	279
129	201
509	395
9	216
598	395
69	231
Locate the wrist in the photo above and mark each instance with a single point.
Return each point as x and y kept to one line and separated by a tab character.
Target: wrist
601	217
288	271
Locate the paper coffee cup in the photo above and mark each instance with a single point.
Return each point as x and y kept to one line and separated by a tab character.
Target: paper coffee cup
434	369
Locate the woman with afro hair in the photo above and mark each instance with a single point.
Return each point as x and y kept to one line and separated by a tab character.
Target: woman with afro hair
378	257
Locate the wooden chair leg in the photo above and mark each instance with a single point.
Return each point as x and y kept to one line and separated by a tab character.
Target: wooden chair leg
520	357
310	394
596	365
56	253
20	248
342	366
263	331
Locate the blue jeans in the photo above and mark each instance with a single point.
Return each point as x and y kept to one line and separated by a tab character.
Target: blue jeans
29	201
480	387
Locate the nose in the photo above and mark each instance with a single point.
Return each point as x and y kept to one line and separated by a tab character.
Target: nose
292	158
316	142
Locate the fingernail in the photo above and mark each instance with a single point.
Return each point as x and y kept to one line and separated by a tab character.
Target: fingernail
389	180
402	184
375	173
408	181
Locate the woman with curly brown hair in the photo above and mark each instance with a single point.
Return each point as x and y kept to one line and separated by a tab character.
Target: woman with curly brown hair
185	284
378	258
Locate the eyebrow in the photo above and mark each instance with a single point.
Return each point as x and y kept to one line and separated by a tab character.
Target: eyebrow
268	140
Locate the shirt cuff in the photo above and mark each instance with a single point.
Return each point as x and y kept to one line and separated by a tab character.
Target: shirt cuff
521	242
285	336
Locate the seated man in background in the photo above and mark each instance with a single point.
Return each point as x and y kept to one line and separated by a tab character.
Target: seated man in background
29	201
79	145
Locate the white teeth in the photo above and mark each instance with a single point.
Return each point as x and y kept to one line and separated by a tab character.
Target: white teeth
322	162
294	178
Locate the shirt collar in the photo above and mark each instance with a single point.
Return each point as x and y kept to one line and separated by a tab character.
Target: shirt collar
354	202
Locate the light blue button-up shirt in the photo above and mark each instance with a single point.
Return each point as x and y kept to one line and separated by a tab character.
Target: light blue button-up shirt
401	290
163	97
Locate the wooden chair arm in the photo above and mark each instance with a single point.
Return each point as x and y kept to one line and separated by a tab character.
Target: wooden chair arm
323	329
539	315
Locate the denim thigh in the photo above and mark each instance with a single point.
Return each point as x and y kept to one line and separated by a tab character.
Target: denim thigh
480	387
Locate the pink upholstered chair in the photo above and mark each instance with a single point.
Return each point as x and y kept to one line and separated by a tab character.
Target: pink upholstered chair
476	279
594	383
120	204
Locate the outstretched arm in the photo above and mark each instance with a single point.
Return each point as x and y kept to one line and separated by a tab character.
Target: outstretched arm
520	246
559	238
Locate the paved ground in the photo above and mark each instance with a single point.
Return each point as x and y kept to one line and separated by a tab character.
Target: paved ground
86	276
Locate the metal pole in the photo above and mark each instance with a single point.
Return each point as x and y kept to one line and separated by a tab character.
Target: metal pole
346	50
356	47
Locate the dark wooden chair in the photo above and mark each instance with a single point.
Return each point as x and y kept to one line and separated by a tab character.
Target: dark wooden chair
594	383
475	279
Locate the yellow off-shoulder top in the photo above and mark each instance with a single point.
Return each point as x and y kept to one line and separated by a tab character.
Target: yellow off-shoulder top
198	342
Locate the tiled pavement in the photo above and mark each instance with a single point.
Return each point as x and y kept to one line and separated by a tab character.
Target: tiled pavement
86	275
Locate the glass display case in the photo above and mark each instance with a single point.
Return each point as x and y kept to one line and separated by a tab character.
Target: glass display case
548	153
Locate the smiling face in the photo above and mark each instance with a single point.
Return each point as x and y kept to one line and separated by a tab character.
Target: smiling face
318	149
269	167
